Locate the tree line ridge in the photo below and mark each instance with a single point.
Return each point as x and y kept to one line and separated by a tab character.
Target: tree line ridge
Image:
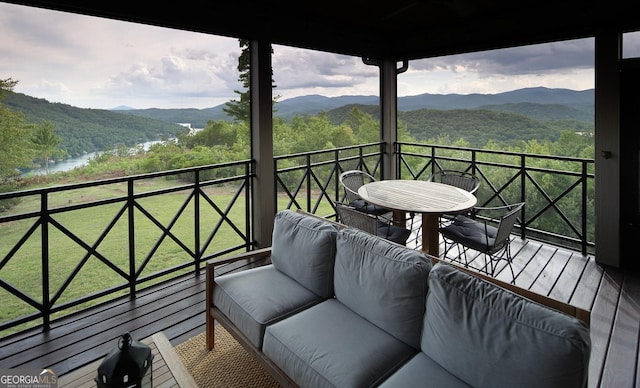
523	114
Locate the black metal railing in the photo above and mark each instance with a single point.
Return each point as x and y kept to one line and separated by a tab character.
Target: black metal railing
71	246
558	191
147	228
310	180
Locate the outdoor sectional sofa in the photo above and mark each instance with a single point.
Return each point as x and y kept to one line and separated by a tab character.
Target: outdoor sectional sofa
337	307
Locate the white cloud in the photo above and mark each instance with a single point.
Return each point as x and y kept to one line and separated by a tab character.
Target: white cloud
100	63
93	62
568	64
299	72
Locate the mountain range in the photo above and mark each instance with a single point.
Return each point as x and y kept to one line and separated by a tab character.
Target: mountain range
538	103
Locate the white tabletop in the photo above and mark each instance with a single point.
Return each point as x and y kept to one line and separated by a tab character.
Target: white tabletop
417	196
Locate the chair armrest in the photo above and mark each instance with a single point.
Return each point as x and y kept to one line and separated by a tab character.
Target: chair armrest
489	208
481	210
211	264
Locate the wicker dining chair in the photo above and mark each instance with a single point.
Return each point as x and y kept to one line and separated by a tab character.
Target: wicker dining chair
350	216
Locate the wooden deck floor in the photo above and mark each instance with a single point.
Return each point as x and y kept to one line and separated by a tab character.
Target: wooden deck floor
177	309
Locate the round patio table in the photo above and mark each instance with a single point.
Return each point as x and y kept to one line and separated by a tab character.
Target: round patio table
430	199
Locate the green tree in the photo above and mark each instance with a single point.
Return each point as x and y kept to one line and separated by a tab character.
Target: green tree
214	133
241	109
15	131
46	143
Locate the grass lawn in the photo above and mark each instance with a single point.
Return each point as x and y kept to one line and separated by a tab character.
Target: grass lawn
91	274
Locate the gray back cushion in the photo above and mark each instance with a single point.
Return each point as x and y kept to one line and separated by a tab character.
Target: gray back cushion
491	337
304	248
383	282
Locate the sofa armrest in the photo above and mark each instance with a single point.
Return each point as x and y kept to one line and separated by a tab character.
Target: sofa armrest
255	254
262	253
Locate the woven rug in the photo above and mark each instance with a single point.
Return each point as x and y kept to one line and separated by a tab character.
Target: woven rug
228	365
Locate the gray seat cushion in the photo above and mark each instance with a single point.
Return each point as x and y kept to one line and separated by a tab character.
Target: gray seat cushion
491	337
383	282
421	371
304	248
328	345
255	298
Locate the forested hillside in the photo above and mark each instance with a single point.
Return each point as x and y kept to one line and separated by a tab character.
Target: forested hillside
475	126
86	130
538	103
546	112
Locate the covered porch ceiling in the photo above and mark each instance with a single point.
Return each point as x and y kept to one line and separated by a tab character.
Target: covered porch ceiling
400	29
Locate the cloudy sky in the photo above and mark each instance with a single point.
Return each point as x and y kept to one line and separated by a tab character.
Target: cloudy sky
99	63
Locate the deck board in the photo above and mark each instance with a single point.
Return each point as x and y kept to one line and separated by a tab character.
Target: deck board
622	353
602	317
536	264
588	286
81	339
571	274
549	274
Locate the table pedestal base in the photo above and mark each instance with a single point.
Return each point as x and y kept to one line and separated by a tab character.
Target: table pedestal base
430	233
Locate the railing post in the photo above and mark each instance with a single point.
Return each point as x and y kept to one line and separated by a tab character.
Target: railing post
248	203
585	238
44	229
433	160
308	174
473	162
336	161
132	239
523	194
196	220
275	181
396	154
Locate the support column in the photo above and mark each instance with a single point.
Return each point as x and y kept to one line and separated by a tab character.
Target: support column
607	147
388	116
264	197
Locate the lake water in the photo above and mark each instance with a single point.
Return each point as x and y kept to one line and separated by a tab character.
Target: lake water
71	163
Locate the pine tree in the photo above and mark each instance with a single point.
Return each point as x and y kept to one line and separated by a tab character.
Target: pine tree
241	109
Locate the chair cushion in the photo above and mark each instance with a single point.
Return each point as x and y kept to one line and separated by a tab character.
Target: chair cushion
255	298
304	248
328	345
421	371
490	337
471	233
393	232
363	206
383	282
